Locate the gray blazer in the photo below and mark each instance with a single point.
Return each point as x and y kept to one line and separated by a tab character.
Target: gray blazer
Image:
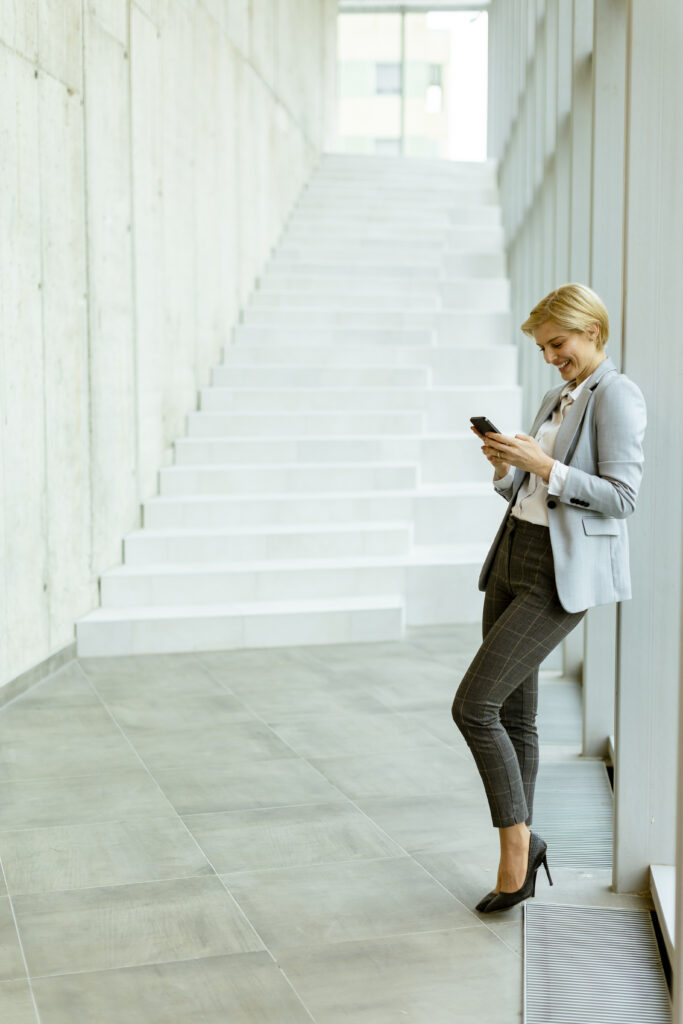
601	440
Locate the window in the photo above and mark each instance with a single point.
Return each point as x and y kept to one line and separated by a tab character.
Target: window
435	74
388	81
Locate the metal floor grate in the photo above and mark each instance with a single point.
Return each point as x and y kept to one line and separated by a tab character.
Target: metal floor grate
573	811
560	713
593	965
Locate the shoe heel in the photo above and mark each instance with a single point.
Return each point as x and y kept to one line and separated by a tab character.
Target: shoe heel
545	865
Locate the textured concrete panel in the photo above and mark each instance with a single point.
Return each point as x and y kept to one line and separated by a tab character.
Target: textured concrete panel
67	479
179	139
147	130
111	15
209	168
112	368
20	26
265	28
59	40
237	24
21	387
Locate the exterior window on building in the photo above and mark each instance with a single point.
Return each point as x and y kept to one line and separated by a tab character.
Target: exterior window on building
435	74
389	147
434	96
388	81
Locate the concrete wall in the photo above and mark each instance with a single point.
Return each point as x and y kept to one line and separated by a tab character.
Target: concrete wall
150	152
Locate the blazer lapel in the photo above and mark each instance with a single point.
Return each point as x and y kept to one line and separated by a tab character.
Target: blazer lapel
573	419
570	425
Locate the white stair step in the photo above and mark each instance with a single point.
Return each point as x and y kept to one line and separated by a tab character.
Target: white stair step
445	364
300	400
351	270
371	248
260	543
488	294
443	514
308	230
386	262
319	376
269	479
452	361
474	239
263	335
283	424
289	298
304	449
229	582
340	286
112	631
448	410
400	225
473	327
244	351
376	164
337	318
449	458
394	200
439	594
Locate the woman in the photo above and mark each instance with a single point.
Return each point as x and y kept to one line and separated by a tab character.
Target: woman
562	548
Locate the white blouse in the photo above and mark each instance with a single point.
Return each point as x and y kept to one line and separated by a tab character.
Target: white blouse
530	503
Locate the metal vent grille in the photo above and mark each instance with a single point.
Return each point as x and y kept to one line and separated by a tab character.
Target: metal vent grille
592	965
560	713
573	811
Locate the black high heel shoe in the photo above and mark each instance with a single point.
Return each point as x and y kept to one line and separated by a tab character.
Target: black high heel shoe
484	902
503	900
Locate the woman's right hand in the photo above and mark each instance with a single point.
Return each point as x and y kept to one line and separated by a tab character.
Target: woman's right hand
502	468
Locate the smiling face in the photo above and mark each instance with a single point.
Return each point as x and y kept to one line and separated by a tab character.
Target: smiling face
574	353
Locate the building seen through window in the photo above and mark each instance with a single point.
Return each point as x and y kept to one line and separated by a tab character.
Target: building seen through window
413	84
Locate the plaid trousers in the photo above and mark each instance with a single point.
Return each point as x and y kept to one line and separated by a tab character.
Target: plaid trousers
496	703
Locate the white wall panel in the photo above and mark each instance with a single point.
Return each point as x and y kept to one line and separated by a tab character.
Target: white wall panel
150	153
113	428
66	396
23	495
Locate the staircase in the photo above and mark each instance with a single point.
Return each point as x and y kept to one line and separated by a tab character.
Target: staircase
329	489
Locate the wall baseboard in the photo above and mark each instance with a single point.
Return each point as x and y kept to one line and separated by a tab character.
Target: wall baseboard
37	673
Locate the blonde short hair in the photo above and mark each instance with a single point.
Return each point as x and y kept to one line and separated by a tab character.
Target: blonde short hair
576	307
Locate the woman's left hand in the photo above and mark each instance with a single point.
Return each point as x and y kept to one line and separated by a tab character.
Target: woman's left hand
522	451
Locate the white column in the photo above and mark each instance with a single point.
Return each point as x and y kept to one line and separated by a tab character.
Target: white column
580	207
582	102
648	635
677	965
606	263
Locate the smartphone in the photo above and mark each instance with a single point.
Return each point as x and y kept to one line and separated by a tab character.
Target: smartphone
484	425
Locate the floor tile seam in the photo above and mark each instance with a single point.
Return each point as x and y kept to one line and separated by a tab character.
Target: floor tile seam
86	824
441	742
184	826
153	963
380	829
231	895
284	951
27	973
266	808
310	865
211	873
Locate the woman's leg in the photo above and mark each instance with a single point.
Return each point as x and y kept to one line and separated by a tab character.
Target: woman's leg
518	716
505	671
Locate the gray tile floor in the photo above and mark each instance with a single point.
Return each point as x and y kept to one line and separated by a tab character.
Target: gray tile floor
261	837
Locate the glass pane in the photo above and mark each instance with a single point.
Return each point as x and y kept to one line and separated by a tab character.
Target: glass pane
443	111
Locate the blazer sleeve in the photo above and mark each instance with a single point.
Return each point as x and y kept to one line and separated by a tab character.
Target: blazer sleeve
620	422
